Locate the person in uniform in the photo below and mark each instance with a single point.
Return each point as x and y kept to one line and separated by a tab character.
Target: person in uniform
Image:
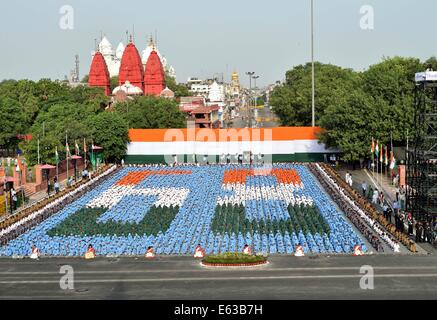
299	251
357	250
199	252
90	253
247	250
150	254
35	253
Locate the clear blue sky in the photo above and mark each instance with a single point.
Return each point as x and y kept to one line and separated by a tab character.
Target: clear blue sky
200	38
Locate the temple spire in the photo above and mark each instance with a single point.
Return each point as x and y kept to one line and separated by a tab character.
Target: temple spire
98	75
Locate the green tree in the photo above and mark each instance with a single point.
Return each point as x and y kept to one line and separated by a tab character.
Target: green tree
179	90
383	109
350	124
292	101
393	81
114	82
12	121
59	120
149	112
110	131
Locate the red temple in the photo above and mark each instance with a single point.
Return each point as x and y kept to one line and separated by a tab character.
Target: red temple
131	67
99	74
154	79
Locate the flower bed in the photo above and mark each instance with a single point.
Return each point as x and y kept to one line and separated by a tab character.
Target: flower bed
234	259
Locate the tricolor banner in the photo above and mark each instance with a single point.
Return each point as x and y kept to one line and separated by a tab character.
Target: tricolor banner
280	144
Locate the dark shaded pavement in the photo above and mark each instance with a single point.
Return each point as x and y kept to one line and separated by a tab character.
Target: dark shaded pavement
286	277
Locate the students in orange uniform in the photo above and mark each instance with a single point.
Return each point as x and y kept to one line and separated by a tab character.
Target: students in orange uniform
90	253
299	251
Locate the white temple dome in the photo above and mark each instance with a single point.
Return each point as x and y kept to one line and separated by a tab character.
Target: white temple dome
128	88
167	93
105	47
119	51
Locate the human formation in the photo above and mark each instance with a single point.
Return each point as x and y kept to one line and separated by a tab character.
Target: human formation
196	192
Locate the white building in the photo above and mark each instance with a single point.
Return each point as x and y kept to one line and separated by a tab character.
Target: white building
200	88
216	92
113	57
146	53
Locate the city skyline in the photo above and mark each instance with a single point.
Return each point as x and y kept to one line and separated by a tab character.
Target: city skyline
200	40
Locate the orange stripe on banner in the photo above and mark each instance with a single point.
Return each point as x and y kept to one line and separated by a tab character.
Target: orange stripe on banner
287	176
135	177
223	135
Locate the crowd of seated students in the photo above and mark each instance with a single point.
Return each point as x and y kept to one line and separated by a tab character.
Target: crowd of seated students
365	210
192	224
384	226
347	208
27	219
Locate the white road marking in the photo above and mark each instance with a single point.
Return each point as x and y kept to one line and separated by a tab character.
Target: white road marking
431	275
212	270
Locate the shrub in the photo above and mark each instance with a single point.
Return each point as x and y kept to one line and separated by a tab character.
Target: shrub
234	258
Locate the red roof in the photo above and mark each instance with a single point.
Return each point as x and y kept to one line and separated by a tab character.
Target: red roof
191	100
188	107
47	167
203	121
154	79
131	67
26	137
205	109
99	74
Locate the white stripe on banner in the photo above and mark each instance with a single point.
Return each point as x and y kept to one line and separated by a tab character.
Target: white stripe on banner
231	147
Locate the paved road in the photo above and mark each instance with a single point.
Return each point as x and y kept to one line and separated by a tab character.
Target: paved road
316	277
261	117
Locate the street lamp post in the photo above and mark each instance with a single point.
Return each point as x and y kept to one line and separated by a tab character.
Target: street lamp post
313	118
20	175
256	89
250	74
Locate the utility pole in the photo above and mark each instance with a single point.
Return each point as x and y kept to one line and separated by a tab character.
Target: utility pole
256	92
313	121
38	151
250	74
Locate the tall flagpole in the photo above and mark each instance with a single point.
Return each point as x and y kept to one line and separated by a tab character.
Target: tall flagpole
377	163
38	152
84	151
57	161
313	117
66	152
380	167
92	154
391	149
373	159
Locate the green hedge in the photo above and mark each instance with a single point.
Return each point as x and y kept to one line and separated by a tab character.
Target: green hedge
234	258
84	223
232	219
